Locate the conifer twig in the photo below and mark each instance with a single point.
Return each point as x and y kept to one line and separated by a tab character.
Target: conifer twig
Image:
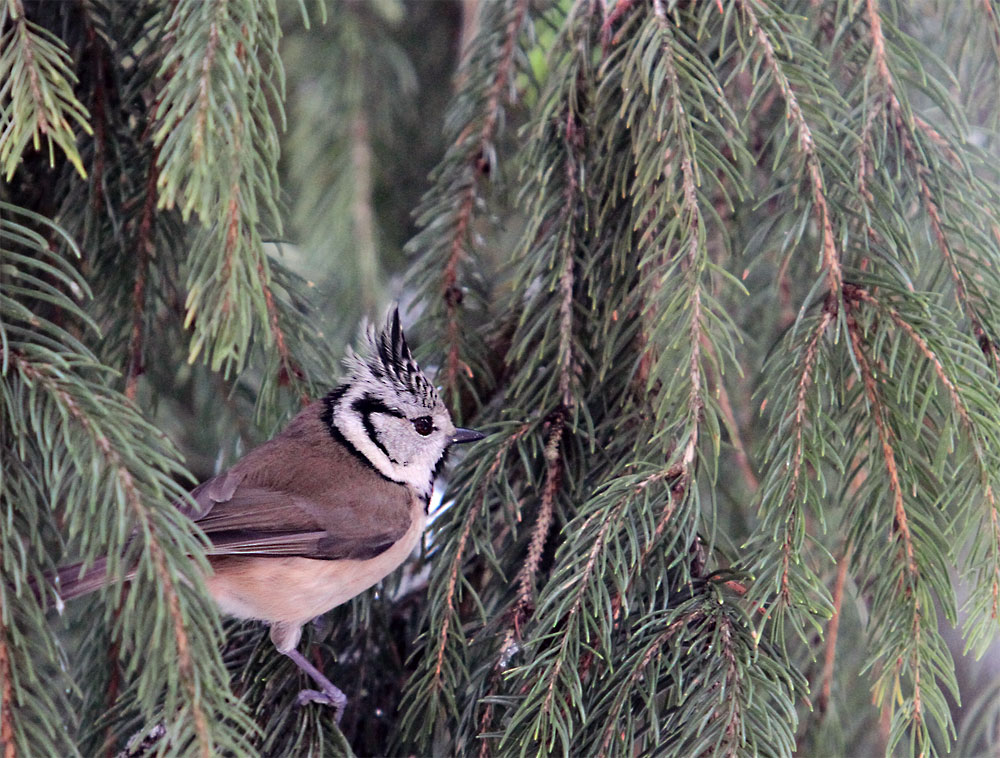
6	697
143	253
798	424
133	499
651	650
477	164
806	145
832	630
457	560
921	171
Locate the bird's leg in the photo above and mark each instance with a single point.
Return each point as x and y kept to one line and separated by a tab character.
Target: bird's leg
328	693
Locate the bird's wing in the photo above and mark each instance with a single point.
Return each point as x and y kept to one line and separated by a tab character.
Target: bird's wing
334	523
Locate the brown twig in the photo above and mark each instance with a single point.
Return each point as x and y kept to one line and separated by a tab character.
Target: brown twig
798	423
6	699
289	368
456	563
525	579
901	524
203	87
921	170
861	294
134	501
806	146
647	656
144	249
478	166
832	630
620	9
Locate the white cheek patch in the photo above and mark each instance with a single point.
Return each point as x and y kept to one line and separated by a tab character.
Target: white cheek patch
390	443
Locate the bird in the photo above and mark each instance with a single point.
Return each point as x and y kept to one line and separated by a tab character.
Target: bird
325	509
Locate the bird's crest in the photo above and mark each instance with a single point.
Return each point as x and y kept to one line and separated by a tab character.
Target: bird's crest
385	359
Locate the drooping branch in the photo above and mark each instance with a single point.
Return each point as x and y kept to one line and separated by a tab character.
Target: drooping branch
476	164
143	253
832	632
922	170
6	698
639	671
805	381
39	373
805	143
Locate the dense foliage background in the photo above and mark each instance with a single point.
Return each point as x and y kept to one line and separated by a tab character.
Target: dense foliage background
719	279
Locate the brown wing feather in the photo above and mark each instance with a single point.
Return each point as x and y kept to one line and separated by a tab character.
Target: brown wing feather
302	494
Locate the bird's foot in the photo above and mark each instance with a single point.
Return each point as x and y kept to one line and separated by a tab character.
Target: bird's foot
327	694
334	698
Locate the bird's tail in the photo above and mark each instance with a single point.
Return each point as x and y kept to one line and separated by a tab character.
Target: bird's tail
73	581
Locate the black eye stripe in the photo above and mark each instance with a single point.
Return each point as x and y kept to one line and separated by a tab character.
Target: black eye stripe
369	404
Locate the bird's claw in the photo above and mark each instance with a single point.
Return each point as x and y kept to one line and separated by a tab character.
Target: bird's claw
335	699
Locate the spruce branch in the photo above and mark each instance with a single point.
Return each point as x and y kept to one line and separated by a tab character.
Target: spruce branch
910	651
805	142
36	98
37	373
144	251
6	698
222	168
478	160
456	200
832	633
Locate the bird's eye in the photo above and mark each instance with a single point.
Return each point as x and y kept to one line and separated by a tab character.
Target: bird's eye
424	425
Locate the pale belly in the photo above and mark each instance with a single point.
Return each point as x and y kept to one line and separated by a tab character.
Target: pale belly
296	590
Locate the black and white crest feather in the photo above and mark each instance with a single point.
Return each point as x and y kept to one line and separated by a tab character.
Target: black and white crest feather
385	358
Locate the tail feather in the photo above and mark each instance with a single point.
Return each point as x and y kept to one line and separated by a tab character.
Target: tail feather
71	581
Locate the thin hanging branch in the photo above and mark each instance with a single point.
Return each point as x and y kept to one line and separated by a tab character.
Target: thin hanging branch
805	144
477	165
144	251
6	698
832	632
38	373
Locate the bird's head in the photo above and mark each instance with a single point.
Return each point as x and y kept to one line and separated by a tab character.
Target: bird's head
391	414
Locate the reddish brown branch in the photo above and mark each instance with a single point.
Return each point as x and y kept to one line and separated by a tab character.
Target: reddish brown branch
143	252
610	19
805	382
526	576
456	563
653	648
901	525
290	370
134	501
203	88
806	146
6	699
860	294
921	170
832	630
477	161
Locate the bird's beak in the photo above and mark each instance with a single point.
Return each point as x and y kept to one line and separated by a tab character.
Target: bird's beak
466	435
